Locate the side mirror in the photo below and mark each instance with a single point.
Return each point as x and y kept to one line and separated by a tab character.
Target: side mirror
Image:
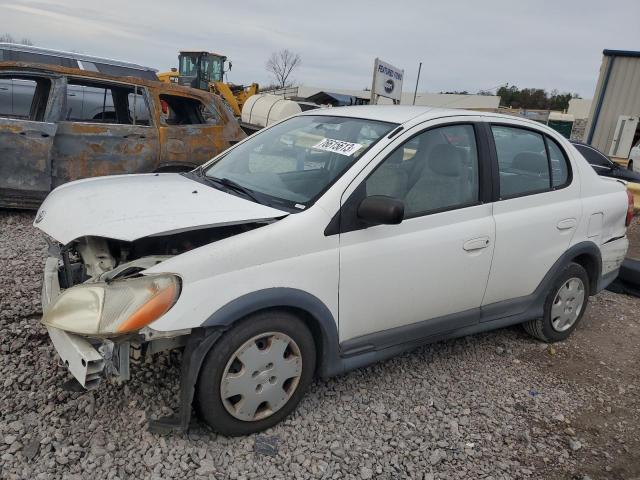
378	209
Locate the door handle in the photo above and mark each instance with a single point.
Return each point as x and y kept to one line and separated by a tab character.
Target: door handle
476	244
134	135
566	224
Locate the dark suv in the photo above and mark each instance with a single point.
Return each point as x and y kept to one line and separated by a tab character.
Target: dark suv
59	124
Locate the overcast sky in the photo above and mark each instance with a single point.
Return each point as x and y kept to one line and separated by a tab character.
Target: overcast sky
463	44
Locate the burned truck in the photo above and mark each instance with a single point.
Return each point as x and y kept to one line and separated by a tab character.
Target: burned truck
59	123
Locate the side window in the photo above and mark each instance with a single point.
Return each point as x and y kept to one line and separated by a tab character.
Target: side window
435	170
138	107
522	161
97	102
6	88
209	114
24	98
178	110
559	164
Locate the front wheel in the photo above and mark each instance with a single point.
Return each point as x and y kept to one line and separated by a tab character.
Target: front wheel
256	373
564	306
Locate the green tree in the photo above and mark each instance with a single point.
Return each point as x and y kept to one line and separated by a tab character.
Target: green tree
534	98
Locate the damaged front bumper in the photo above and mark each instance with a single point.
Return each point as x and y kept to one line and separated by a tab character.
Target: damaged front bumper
91	360
84	361
88	360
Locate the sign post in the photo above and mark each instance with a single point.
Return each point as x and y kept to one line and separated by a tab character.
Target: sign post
387	82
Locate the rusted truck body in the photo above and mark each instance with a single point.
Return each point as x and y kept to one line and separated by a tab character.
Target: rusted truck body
75	124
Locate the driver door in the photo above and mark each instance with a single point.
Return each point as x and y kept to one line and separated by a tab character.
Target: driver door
428	274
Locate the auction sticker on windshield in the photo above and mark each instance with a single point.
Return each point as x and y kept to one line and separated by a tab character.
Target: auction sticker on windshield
337	146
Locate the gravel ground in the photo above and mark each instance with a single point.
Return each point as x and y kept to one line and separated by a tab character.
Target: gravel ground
495	406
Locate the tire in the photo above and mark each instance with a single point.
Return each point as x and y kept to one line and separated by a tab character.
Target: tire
557	323
630	165
264	333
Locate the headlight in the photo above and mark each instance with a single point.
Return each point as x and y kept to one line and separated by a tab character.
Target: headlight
117	307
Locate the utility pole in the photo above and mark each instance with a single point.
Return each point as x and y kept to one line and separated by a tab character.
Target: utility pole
415	92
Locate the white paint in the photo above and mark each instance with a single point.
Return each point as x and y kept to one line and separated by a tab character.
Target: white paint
383	276
128	207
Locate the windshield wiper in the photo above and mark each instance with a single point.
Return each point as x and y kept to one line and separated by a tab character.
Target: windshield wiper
227	182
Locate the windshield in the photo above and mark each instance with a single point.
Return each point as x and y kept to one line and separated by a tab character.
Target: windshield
297	160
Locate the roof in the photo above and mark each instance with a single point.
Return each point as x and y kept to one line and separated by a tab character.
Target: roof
165	87
206	52
391	113
76	56
402	114
621	53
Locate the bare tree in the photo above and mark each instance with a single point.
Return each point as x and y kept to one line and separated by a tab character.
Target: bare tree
8	38
281	64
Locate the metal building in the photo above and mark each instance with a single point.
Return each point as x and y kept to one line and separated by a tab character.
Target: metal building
613	119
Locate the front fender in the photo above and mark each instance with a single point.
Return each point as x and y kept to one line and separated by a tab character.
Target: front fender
323	322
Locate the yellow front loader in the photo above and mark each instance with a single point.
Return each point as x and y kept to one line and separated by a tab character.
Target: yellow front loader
205	71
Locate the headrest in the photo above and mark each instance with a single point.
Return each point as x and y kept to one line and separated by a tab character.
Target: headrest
531	162
396	156
445	159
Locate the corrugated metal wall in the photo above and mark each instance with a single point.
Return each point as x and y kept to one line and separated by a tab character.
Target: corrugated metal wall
622	97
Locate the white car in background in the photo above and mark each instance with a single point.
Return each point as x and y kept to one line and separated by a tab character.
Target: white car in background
331	240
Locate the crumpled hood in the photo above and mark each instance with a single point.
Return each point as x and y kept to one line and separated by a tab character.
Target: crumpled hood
128	207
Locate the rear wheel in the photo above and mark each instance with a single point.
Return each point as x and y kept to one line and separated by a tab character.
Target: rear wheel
564	306
256	374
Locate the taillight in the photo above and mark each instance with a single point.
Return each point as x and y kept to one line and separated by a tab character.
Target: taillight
629	209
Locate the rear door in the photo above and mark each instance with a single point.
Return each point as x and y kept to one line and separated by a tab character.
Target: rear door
191	132
107	129
536	215
27	134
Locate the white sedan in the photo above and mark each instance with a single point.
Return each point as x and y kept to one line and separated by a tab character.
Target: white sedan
331	240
